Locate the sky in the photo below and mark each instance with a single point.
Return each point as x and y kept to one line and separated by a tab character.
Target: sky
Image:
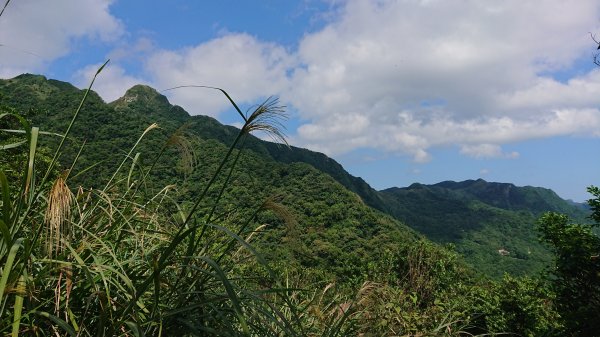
396	91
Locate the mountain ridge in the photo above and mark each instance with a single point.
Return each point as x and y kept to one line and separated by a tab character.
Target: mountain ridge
447	212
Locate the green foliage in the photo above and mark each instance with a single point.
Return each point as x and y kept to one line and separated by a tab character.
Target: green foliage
576	275
196	228
595	204
482	219
113	261
519	306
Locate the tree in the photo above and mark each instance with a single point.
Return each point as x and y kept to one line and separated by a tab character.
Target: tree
576	274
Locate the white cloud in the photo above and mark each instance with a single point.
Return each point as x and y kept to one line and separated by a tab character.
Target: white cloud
245	67
487	151
578	92
34	33
110	84
138	50
406	76
401	77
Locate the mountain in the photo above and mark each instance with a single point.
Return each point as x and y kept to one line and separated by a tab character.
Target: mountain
491	224
331	222
478	218
336	243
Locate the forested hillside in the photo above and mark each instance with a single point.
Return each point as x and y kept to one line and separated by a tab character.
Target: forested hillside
479	218
265	239
493	225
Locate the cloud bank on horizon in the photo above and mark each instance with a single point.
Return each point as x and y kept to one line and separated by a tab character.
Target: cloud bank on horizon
396	76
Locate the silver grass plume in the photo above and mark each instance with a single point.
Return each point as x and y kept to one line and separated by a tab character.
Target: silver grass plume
57	216
267	117
185	147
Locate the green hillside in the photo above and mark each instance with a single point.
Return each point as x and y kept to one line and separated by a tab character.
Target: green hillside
478	217
331	221
314	225
493	225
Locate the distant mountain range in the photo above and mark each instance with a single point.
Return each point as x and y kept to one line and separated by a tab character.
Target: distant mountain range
491	224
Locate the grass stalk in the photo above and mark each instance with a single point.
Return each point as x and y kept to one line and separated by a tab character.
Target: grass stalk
18	308
8	266
128	156
4	8
58	151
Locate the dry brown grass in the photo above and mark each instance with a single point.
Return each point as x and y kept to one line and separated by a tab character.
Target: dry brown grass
57	216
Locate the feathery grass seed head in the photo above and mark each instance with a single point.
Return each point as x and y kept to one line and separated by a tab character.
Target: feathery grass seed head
57	215
267	117
186	150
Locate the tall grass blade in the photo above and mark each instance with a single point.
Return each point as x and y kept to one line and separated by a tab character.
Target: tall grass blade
75	160
81	264
59	322
135	329
26	129
30	177
6	204
4	8
215	88
12	145
194	243
176	139
58	152
6	271
45	133
231	294
225	184
18	309
6	237
156	286
148	129
87	168
133	164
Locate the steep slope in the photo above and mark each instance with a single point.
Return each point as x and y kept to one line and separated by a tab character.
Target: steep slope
329	228
480	218
37	97
325	164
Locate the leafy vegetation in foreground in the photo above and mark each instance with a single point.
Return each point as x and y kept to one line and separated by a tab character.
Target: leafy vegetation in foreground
576	272
139	230
477	217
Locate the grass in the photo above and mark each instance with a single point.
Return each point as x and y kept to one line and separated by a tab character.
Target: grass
111	261
127	259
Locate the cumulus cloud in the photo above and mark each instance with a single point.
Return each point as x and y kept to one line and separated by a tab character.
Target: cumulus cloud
407	76
400	77
246	67
487	151
34	33
112	82
411	75
138	50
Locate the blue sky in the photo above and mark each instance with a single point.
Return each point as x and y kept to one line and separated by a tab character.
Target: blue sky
397	91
